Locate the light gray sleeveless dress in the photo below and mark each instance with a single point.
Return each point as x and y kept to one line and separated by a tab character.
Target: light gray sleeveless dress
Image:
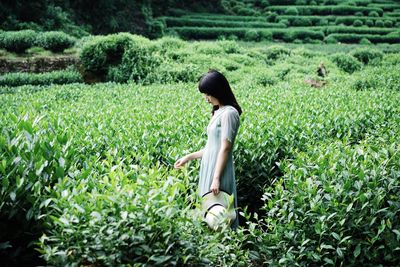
223	125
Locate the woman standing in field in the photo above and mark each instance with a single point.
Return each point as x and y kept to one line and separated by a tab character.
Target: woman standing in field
217	169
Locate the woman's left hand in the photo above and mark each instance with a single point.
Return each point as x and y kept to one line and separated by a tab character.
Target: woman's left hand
215	186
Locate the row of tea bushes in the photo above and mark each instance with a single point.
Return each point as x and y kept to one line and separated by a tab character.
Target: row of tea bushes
250	34
335	20
392	38
46	78
93	168
324	10
19	41
193	22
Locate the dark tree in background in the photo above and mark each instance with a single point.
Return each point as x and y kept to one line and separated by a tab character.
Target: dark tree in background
82	17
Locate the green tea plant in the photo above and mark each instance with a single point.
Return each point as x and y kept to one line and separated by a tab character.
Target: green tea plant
46	78
335	205
347	63
87	170
19	41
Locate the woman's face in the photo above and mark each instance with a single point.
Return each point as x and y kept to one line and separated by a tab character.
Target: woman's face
212	100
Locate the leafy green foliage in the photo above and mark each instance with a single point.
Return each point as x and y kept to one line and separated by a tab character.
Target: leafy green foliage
378	77
89	168
55	41
336	204
19	41
275	52
119	57
346	63
54	77
367	55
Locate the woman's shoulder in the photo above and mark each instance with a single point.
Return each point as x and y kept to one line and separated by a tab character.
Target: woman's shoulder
230	113
231	110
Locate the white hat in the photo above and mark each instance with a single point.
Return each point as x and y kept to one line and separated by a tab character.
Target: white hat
218	209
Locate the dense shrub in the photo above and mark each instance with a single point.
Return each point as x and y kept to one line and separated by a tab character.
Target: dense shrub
365	41
330	40
379	23
156	28
373	14
272	17
101	51
54	41
367	55
369	23
346	63
266	35
252	35
46	78
264	3
357	23
292	11
125	56
17	41
275	52
285	22
388	23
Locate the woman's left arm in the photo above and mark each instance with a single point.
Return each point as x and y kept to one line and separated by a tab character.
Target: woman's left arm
222	158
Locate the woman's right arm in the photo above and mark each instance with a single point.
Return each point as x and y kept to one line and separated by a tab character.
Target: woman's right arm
182	161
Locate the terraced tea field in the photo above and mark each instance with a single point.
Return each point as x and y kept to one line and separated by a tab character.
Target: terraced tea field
294	21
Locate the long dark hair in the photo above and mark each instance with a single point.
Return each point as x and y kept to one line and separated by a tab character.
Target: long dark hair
215	84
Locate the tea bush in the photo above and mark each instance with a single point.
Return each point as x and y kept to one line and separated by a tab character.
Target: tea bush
346	63
252	35
275	52
54	41
357	23
120	57
377	78
367	55
17	41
